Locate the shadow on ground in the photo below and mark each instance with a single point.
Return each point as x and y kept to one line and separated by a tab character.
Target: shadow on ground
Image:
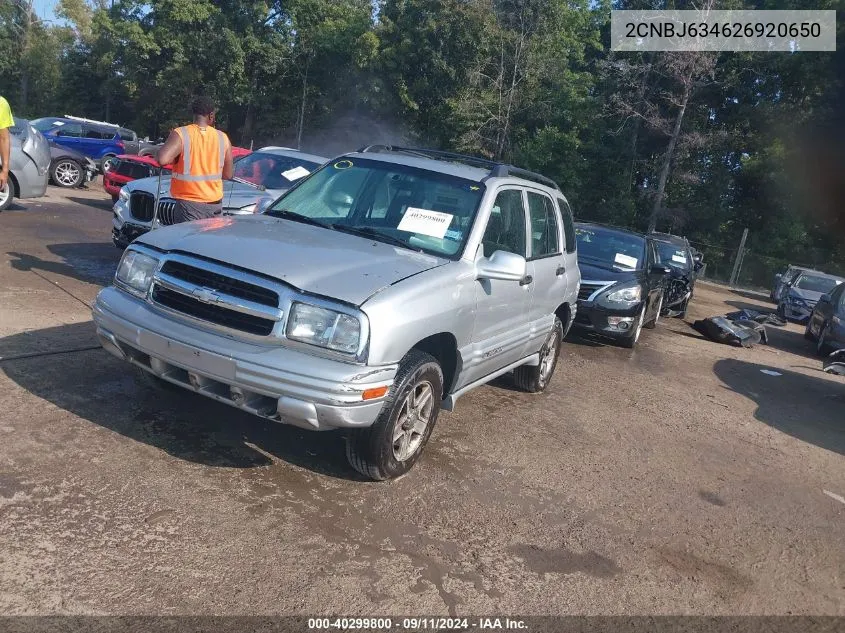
754	296
790	402
89	262
97	387
96	203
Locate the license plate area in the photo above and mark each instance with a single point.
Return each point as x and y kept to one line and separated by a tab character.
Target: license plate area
187	356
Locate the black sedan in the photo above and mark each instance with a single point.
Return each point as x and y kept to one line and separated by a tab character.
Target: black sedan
677	254
622	282
69	168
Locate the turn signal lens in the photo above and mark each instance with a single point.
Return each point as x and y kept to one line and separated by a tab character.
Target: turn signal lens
376	392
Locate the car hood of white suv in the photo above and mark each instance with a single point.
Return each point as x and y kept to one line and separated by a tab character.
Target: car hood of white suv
309	258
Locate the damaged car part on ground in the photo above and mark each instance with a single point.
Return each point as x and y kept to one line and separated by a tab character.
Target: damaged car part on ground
437	273
622	282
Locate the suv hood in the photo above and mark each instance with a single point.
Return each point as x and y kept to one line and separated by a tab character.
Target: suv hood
311	259
236	195
809	296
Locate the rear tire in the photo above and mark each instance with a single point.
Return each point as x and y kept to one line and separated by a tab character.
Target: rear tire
631	341
808	332
67	173
393	444
108	163
535	379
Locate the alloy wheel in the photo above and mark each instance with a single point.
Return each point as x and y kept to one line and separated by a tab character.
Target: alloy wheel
547	357
413	420
67	173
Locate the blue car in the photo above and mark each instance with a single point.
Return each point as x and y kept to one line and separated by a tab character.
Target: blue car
99	141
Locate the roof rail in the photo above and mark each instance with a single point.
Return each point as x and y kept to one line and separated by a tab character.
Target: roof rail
502	170
79	118
497	169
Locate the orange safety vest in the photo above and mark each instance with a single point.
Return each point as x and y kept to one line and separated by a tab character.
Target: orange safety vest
198	172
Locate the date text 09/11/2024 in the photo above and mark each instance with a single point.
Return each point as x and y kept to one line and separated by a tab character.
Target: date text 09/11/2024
416	624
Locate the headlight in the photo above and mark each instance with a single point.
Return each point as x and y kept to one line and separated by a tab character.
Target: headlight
630	294
326	328
135	272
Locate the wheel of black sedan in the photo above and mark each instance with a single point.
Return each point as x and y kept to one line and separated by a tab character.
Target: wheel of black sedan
822	346
631	341
67	173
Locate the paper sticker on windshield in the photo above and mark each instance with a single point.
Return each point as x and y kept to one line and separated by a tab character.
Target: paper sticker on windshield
424	222
625	260
680	259
296	173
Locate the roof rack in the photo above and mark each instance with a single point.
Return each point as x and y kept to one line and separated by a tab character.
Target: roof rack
497	169
79	118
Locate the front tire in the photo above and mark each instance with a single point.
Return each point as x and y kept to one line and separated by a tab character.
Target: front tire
653	323
535	379
822	347
393	444
66	173
631	341
108	163
808	331
6	195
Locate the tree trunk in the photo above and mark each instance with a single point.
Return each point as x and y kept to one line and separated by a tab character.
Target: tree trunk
302	106
667	159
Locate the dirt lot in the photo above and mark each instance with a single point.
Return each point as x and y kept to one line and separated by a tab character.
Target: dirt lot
677	478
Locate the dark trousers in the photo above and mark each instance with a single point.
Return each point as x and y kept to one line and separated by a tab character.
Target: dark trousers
187	210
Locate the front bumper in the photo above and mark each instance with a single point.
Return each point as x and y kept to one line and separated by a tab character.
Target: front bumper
593	317
272	382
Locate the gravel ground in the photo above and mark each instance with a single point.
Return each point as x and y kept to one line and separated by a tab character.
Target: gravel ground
674	479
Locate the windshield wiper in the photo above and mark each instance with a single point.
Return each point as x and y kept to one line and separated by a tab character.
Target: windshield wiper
297	217
247	182
368	231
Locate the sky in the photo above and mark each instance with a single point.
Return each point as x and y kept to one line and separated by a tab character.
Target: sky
45	9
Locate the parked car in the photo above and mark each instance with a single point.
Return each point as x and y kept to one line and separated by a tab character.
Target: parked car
372	294
826	325
622	282
69	168
782	280
126	169
684	264
29	164
264	174
800	297
152	150
99	141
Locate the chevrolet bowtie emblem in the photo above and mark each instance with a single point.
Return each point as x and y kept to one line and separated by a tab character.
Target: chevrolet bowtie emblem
206	295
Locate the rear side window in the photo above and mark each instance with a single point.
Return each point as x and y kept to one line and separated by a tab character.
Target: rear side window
545	237
93	132
73	130
127	135
568	226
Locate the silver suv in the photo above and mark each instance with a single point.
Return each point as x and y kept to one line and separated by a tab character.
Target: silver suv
376	291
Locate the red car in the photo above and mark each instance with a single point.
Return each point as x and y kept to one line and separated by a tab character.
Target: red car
129	167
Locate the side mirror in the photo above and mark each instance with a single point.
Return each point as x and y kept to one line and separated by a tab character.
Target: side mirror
501	265
263	204
698	265
825	298
698	258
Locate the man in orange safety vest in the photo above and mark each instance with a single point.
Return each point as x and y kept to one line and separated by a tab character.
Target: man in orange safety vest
202	158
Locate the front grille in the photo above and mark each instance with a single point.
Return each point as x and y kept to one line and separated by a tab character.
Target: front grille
587	289
166	212
221	283
141	206
212	313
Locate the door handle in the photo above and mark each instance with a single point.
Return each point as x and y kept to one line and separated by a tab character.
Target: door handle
560	270
526	280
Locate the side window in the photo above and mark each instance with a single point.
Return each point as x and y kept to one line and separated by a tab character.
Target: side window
506	226
545	237
568	226
73	130
127	135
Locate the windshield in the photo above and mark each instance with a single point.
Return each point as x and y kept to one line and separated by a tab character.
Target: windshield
610	249
45	125
273	171
422	210
814	283
673	255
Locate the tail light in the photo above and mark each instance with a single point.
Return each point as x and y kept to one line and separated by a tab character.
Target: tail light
120	144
